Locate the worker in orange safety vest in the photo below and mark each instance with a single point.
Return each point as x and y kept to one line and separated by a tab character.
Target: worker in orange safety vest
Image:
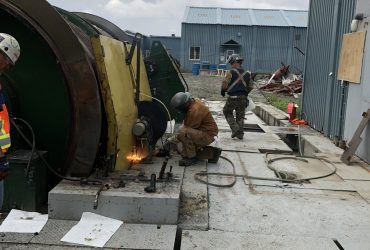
9	54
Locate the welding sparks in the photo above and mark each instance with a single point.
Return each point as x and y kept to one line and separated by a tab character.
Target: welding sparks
134	157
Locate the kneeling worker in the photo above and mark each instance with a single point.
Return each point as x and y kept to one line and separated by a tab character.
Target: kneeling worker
199	128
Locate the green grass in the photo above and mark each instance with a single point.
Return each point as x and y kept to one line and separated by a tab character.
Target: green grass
281	101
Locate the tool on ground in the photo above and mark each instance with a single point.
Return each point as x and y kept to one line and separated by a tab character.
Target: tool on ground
98	194
163	168
152	186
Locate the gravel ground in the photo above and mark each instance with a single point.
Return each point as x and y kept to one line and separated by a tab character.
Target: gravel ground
209	87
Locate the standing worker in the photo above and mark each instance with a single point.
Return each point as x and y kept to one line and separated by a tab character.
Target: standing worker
199	128
9	54
236	85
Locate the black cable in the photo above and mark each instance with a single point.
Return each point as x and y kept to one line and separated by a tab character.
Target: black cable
41	156
33	141
196	175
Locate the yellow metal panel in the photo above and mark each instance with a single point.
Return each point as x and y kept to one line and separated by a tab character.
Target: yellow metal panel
118	90
144	82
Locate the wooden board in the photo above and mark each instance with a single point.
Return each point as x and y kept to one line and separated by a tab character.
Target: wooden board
350	61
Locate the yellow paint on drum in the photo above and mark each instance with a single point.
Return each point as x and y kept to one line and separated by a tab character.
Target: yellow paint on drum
118	90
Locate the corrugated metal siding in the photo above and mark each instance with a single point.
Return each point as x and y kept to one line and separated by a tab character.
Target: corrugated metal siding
245	40
235	16
323	97
193	35
271	48
172	44
263	48
299	41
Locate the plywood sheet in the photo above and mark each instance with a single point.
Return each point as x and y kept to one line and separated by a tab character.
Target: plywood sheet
350	62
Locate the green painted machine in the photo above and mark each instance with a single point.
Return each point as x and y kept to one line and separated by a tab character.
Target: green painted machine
74	109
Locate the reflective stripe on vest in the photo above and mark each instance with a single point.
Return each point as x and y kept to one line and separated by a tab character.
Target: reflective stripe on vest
4	129
238	79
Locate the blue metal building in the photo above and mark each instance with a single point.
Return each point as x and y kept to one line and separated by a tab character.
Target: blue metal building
265	38
171	43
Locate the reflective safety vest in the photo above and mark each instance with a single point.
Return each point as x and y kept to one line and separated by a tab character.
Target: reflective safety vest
4	129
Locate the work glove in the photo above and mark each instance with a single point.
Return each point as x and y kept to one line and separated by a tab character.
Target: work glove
172	139
4	167
223	92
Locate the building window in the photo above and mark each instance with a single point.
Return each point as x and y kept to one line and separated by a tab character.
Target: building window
194	53
228	54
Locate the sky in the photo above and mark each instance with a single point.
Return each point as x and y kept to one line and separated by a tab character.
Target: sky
162	17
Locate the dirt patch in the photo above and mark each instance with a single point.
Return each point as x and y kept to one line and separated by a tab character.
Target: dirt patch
209	88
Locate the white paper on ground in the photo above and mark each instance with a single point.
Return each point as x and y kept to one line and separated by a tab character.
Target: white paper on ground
92	230
19	221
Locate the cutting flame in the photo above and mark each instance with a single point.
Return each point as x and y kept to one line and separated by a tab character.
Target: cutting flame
134	157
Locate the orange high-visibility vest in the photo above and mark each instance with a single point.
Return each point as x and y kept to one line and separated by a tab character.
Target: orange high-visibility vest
4	129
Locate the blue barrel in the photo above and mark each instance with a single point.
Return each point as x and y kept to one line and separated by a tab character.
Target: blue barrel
222	66
213	67
205	65
195	69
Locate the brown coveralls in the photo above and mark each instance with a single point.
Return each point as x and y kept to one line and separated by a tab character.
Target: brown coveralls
199	129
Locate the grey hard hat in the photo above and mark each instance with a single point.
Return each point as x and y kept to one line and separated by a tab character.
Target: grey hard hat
235	58
180	100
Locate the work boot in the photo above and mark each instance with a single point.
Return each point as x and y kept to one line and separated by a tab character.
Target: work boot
188	161
216	155
240	136
234	134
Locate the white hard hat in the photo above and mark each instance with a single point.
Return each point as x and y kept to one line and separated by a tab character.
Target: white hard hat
10	47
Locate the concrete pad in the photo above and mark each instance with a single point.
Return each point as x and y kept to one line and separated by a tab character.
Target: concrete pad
194	200
131	203
303	167
313	144
15	238
289	130
128	236
141	236
352	172
253	142
53	232
362	188
327	214
233	240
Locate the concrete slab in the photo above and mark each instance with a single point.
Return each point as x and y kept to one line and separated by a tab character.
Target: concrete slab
327	214
128	236
233	240
253	142
302	167
194	200
352	172
15	238
289	130
131	203
312	144
53	231
141	236
362	188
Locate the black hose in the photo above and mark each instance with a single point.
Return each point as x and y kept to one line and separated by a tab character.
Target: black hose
12	120
196	175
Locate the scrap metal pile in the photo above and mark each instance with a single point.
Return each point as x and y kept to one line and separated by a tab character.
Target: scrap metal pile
281	81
